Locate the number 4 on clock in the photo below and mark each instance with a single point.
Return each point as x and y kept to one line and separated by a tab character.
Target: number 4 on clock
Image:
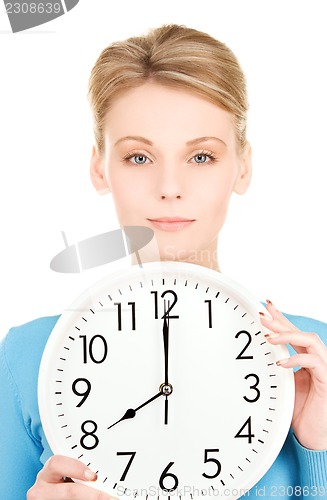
247	434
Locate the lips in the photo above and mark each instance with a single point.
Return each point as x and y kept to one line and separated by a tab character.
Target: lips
171	223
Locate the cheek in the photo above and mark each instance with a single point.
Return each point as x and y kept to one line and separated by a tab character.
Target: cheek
128	194
215	198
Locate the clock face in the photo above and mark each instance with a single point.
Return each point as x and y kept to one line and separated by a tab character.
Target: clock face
160	379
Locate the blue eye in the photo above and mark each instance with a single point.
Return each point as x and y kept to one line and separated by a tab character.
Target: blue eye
201	158
140	159
204	157
137	159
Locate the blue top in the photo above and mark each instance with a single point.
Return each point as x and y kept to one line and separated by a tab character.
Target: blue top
296	473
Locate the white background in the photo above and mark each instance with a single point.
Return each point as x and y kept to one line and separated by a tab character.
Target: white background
274	241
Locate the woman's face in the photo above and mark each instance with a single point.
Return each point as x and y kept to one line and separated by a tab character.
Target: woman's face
171	164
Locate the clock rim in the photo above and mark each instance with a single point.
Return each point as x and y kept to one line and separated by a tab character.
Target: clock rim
182	268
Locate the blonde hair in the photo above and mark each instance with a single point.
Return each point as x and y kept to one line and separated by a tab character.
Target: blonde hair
172	55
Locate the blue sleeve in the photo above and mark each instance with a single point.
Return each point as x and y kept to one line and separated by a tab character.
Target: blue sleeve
21	437
313	464
313	467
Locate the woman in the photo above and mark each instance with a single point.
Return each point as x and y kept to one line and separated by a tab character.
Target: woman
170	145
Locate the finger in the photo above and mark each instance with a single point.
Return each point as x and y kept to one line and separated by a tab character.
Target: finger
278	332
278	323
313	363
275	320
302	342
276	314
58	467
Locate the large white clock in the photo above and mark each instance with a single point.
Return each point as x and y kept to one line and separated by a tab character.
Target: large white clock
161	380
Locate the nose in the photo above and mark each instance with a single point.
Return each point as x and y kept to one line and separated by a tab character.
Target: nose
170	183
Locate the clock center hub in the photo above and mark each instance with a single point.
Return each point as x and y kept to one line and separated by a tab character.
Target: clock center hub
166	389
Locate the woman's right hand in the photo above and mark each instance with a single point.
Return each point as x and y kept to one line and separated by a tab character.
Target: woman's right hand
51	484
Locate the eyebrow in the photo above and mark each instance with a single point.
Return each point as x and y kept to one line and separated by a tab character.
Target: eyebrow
134	138
150	143
204	139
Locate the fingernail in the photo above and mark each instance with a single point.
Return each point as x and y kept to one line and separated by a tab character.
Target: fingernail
269	303
272	335
89	475
282	362
265	316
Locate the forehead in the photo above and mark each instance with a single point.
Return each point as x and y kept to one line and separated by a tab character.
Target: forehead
162	113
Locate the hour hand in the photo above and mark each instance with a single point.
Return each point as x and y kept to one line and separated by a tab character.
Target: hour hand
130	413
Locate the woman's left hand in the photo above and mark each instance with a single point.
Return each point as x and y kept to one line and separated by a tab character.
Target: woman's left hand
309	420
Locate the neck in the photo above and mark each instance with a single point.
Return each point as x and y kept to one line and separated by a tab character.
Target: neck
207	257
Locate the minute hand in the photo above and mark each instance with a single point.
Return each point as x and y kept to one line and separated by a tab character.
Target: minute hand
165	331
166	387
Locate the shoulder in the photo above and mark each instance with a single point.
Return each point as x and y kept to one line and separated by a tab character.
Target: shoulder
32	335
22	348
309	325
